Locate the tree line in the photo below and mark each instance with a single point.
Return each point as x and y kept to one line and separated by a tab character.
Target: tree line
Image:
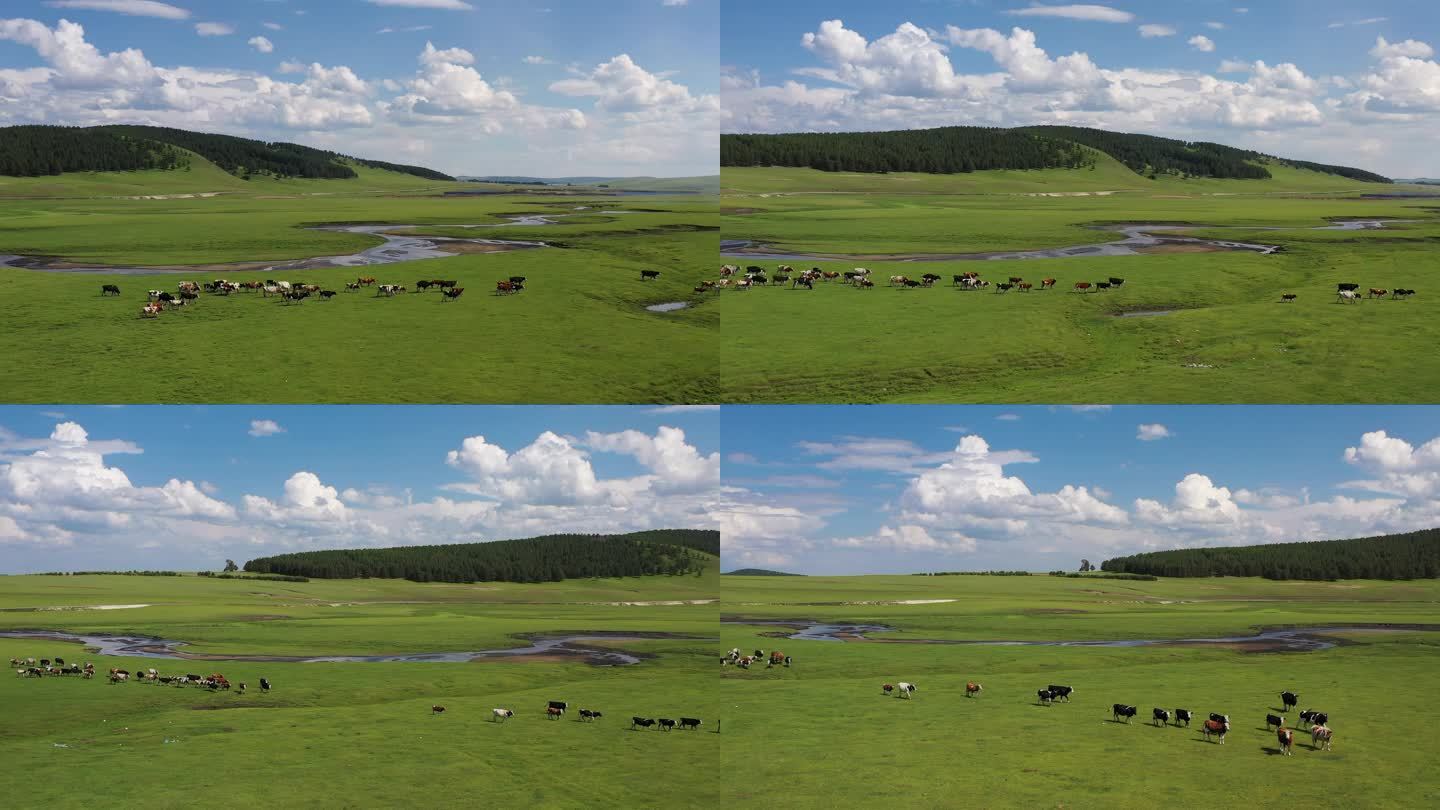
1413	555
35	151
947	150
538	559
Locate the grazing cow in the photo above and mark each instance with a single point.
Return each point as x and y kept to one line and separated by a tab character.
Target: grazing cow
1061	691
1276	720
559	704
1081	286
689	722
1311	716
500	715
453	293
264	685
554	713
1348	295
1216	727
1287	298
504	287
1320	737
972	689
906	689
1287	740
643	722
587	714
1377	291
1120	710
666	724
646	275
1046	698
1289	700
1182	716
434	710
1160	717
109	289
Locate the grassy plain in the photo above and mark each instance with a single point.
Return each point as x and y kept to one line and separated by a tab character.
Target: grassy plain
824	729
579	333
1225	336
360	734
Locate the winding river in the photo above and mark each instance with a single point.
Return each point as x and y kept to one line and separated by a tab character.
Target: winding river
576	645
1289	639
1140	239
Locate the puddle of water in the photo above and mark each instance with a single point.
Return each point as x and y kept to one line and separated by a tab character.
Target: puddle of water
669	306
571	645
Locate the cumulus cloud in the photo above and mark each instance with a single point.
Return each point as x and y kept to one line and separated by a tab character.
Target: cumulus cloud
264	427
1202	43
621	84
1410	48
537	60
1151	432
261	44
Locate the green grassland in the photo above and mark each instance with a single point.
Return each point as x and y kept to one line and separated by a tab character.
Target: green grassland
578	334
824	729
361	734
1229	339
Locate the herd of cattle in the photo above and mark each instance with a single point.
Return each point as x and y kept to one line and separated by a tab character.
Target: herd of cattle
294	292
215	682
1217	725
744	661
557	709
1350	291
733	277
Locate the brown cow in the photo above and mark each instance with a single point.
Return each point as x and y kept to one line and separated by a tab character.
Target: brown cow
972	689
1376	291
365	281
1082	285
1024	286
1016	279
1047	283
502	287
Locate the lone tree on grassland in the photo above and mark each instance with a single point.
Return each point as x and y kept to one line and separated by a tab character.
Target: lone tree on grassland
231	566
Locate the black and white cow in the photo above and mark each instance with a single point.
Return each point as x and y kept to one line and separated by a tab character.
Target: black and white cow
1276	720
1161	717
559	704
643	722
500	715
1289	699
1120	710
1311	716
1220	718
905	689
1045	696
1182	716
666	724
1057	692
689	722
588	714
264	685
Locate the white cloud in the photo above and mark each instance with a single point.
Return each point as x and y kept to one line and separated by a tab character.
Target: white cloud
622	85
214	29
1197	500
1234	66
134	8
910	538
305	499
273	26
264	427
1202	43
406	30
1215	26
1151	432
677	465
1152	30
1410	47
446	5
537	60
261	44
1366	21
1096	13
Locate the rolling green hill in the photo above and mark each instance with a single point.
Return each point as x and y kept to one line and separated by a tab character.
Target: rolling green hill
1414	555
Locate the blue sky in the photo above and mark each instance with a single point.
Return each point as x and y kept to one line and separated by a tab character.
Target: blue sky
177	486
243	66
881	489
1327	90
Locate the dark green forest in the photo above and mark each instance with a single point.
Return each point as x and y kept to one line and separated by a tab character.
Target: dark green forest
30	151
1414	555
947	150
953	150
759	572
537	559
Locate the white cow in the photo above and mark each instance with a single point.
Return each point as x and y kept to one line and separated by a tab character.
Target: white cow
1348	295
905	689
501	715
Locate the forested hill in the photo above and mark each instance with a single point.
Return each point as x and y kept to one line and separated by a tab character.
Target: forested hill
759	572
951	150
538	559
31	151
1415	555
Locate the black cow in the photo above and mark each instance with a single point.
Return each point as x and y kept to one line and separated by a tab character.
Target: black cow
559	704
689	722
1287	298
437	710
1120	710
1182	716
1102	285
666	724
1289	699
264	685
643	722
1045	696
1276	720
646	275
109	289
1000	288
1061	691
587	714
1343	286
1220	718
327	294
801	281
1117	282
1160	716
911	283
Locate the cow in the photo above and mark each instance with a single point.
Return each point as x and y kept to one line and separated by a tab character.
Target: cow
116	676
1182	716
1000	288
1216	727
666	724
587	714
1348	295
929	279
643	722
109	289
972	689
911	283
434	710
1082	286
898	280
1346	285
453	293
906	689
776	657
1117	282
1398	293
887	688
1061	691
689	722
350	286
150	310
365	281
1015	279
1046	698
554	713
264	685
829	275
727	270
1120	710
865	284
500	715
1160	717
780	279
1289	700
803	281
1102	285
1320	736
422	285
1287	298
326	295
1377	291
1276	720
559	704
1047	283
1286	737
646	275
1024	286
